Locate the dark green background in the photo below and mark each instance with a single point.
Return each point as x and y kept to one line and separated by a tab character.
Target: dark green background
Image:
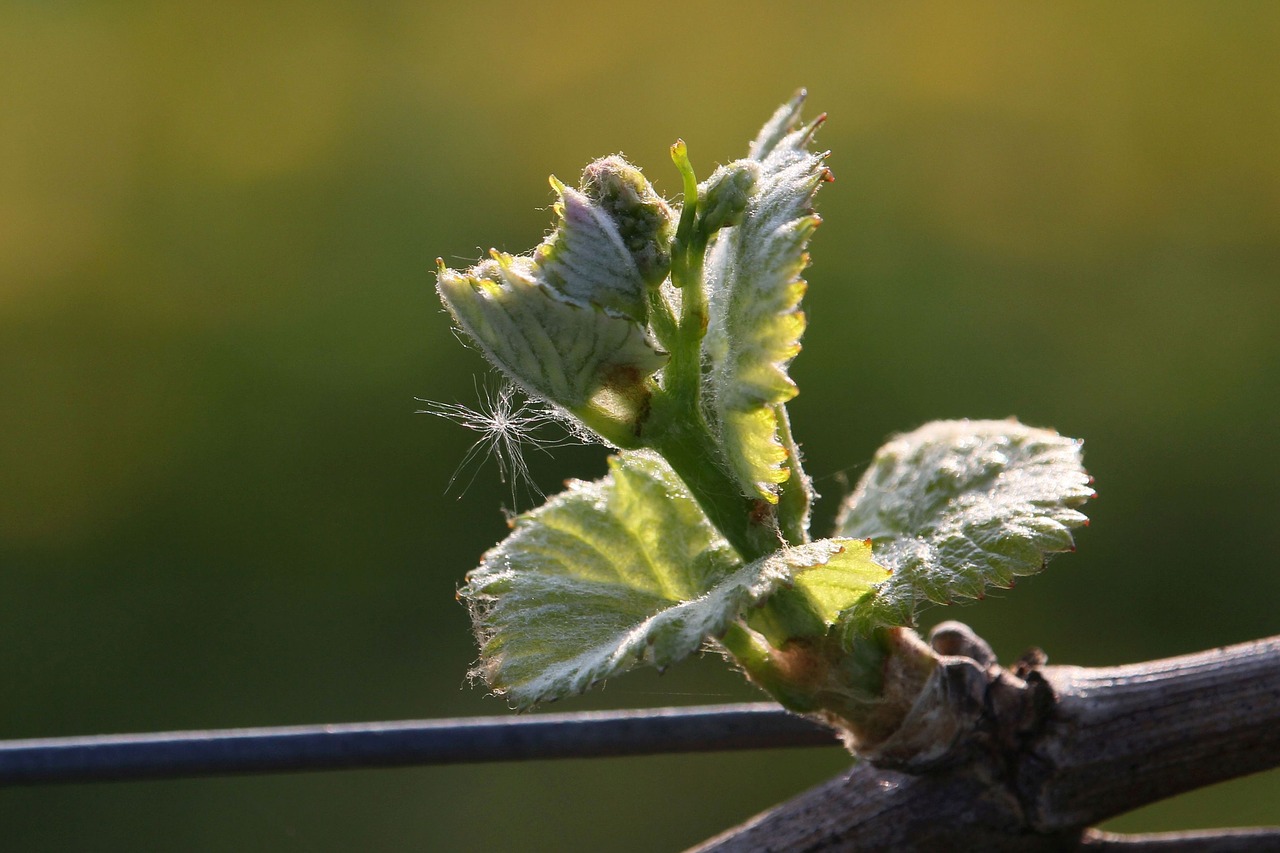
218	224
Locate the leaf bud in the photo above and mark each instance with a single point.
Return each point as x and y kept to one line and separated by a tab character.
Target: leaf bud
644	220
725	195
612	241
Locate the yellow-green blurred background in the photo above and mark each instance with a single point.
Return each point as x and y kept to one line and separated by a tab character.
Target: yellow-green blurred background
218	224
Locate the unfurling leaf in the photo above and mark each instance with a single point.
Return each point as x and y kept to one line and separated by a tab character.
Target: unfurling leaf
753	272
579	357
956	506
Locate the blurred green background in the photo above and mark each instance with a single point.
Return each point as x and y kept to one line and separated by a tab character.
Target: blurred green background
218	224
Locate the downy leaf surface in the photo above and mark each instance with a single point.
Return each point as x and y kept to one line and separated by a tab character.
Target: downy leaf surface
753	273
554	349
603	577
957	506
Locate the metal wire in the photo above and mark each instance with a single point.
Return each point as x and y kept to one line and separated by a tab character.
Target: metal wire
165	755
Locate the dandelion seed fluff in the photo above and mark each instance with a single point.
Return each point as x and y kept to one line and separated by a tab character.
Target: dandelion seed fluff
507	422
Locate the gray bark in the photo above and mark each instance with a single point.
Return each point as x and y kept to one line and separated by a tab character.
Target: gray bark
1051	751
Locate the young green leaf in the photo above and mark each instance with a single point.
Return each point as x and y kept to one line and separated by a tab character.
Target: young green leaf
753	273
828	577
956	506
603	577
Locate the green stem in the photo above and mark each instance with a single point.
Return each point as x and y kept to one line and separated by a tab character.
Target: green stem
661	319
678	432
683	375
866	690
675	425
757	659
